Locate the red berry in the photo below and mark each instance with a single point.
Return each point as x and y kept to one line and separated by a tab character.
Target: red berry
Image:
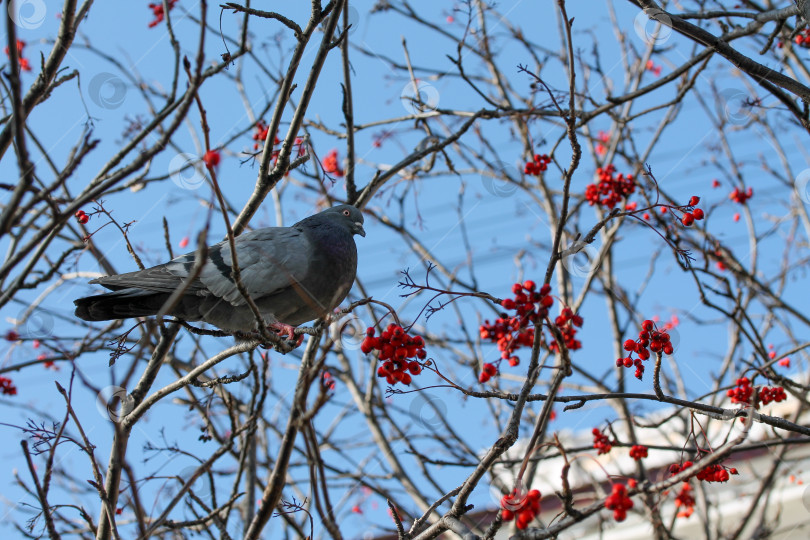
698	213
211	159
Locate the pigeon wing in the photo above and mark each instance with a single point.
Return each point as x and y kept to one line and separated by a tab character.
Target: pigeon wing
270	261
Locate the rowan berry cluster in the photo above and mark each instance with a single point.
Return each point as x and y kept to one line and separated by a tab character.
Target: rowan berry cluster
603	137
538	165
772	393
566	322
211	159
25	65
649	339
331	165
157	11
611	188
522	507
261	135
692	214
709	473
715	473
685	500
741	197
396	348
656	70
743	391
327	381
619	502
511	333
508	334
81	217
7	387
489	370
601	442
638	451
803	39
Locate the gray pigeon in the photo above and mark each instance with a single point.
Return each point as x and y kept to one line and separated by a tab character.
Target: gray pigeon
293	274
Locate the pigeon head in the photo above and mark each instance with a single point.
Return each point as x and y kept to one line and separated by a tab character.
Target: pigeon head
347	216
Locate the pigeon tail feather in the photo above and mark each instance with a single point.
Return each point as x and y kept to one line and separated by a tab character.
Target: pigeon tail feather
120	304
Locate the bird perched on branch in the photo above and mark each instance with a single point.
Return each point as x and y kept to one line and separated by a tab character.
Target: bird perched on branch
293	274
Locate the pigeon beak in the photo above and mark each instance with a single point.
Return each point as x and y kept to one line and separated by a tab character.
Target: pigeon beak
358	229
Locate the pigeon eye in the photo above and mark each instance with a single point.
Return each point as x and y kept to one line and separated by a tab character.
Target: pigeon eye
346	212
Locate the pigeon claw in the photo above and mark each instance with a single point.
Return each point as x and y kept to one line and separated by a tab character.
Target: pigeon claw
287	330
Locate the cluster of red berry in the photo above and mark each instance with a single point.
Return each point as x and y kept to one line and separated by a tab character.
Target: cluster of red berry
261	135
538	165
741	196
25	65
511	333
396	348
768	394
566	322
601	442
649	339
619	502
685	500
526	300
715	473
82	217
157	11
522	507
610	189
603	137
803	39
709	473
695	214
331	165
638	451
7	387
211	159
743	391
327	381
489	370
